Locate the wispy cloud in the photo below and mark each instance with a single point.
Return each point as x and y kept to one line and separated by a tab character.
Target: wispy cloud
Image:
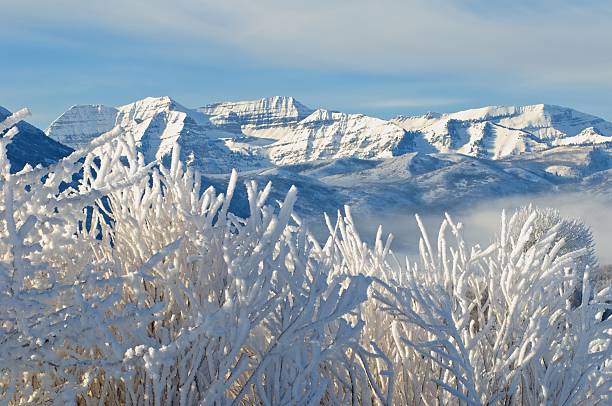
536	39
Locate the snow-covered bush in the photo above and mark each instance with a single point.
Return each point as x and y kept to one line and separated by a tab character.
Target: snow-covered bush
127	283
134	286
576	235
494	325
57	297
253	308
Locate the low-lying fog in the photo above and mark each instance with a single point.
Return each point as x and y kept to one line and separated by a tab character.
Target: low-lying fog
481	222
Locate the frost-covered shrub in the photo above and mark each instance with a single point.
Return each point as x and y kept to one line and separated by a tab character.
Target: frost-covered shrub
159	295
60	298
493	325
575	234
126	283
253	308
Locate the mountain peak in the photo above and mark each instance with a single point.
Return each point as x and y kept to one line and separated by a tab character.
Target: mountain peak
155	102
31	146
158	100
150	107
277	103
494	111
80	123
428	115
323	115
287	101
268	101
4	113
261	114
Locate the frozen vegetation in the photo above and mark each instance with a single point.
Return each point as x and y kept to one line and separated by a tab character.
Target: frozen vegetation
125	281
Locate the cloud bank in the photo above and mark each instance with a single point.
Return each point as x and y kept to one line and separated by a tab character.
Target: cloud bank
481	222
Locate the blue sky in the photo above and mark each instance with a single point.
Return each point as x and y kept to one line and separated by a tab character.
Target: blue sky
381	58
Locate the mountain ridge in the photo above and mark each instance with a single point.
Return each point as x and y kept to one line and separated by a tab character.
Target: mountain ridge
279	131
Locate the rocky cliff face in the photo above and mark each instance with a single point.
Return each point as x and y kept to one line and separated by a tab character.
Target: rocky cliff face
262	114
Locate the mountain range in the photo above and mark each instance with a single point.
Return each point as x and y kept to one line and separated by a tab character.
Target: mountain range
280	131
429	162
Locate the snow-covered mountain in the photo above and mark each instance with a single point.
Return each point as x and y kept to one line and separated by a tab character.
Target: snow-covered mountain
156	124
325	134
490	132
31	146
80	124
588	136
262	116
281	131
543	120
496	132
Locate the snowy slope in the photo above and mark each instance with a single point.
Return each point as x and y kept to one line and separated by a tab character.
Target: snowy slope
588	136
325	134
80	124
157	123
32	146
431	183
481	139
543	120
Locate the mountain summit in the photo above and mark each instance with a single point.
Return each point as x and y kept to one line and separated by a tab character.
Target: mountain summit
261	114
31	146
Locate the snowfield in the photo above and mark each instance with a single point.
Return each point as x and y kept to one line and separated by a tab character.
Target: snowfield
126	279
